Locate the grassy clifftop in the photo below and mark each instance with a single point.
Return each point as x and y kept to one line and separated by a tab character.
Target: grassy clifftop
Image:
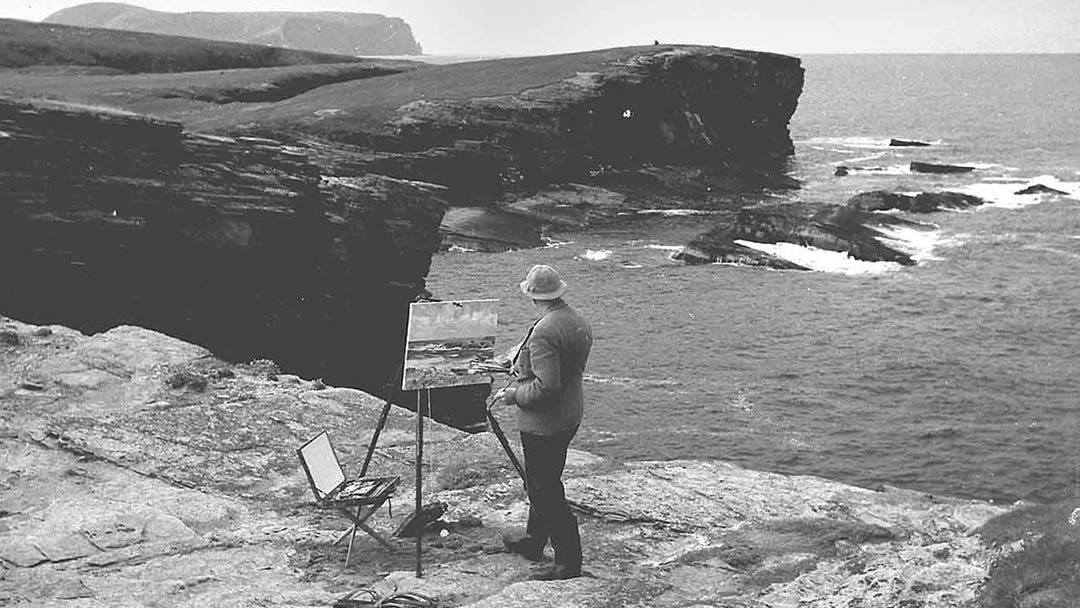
24	44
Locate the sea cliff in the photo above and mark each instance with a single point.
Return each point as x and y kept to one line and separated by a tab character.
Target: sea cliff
291	213
140	470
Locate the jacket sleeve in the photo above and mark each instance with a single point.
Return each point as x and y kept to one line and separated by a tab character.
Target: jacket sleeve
546	382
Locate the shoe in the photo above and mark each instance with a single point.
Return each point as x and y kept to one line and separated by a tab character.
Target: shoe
526	548
364	597
557	572
408	600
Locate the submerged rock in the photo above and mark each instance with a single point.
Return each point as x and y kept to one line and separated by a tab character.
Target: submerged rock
1040	189
856	232
923	202
860	228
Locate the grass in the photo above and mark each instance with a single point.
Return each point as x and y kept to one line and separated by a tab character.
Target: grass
366	105
23	44
177	95
237	88
1044	569
203	83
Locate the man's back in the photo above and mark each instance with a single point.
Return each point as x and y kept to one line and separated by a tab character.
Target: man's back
550	368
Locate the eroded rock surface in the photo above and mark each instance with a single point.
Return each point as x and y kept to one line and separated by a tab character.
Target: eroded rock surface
138	470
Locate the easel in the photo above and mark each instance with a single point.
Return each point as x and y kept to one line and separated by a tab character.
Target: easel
419	454
440	338
418	513
496	428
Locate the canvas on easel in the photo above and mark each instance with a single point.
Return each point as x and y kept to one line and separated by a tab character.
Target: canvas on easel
450	344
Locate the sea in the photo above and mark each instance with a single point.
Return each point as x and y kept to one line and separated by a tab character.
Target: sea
957	376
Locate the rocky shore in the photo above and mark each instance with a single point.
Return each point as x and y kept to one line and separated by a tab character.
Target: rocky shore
139	470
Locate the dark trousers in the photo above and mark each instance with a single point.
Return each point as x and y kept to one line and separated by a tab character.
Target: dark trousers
550	517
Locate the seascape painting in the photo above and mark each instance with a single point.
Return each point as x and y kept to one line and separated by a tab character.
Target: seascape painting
449	343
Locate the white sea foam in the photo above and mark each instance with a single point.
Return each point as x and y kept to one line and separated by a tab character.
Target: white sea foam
553	244
459	249
1004	194
676	212
890	170
859	159
1055	250
665	247
919	242
869	143
594	255
822	260
1005	179
624	381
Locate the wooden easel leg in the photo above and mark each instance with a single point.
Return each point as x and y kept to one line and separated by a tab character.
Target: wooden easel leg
375	437
420	477
352	538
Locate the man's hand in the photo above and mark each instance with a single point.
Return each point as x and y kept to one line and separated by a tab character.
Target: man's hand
505	395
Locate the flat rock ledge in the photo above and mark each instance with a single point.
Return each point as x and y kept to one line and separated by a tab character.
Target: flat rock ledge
138	470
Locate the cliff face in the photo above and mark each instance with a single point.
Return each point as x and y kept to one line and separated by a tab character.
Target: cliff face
326	32
241	246
603	133
308	253
488	129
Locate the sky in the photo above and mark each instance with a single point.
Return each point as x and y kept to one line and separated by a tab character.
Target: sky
796	27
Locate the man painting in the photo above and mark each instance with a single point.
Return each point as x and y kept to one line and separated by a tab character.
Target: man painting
550	403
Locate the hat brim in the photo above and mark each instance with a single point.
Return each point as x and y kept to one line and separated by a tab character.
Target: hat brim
550	295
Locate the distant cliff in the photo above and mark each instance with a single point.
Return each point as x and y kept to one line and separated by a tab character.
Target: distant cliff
325	32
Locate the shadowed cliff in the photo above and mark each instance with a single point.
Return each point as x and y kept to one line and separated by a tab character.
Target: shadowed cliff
240	245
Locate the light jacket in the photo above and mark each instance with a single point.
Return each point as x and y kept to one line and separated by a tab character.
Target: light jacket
549	367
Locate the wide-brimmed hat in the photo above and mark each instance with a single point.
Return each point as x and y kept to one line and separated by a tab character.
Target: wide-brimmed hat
543	283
